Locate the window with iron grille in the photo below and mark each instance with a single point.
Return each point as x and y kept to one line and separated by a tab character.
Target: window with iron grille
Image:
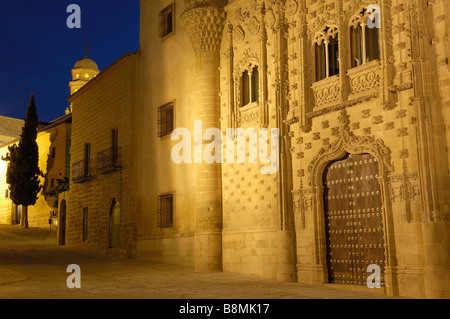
87	156
165	211
165	119
166	24
115	146
85	223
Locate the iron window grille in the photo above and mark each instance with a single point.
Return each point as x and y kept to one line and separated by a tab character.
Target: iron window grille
81	170
165	211
107	160
166	21
166	119
85	223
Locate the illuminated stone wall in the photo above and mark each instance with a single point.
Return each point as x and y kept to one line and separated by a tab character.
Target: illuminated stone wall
108	102
38	214
231	217
394	107
5	202
167	75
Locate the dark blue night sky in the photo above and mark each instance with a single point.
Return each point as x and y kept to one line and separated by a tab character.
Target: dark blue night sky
38	50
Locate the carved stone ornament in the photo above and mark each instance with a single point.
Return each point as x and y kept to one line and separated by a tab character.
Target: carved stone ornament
205	27
348	142
253	26
269	18
239	34
302	203
404	188
291	7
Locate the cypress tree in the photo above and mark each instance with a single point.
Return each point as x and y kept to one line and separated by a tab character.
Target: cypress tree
23	171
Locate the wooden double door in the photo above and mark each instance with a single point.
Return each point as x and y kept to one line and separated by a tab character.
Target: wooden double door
354	219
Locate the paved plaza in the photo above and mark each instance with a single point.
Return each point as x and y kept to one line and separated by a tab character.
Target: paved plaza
32	265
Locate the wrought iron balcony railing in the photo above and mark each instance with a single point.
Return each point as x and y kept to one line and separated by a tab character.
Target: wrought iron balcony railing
80	172
107	160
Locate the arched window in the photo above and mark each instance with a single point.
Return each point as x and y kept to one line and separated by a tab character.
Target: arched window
114	225
250	86
326	49
245	88
364	40
255	84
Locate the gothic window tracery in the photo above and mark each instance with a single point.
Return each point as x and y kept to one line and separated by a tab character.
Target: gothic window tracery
364	40
250	85
326	49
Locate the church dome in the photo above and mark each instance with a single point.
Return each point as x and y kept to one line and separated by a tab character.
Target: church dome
84	70
87	64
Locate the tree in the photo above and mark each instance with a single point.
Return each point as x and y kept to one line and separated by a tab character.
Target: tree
23	171
61	187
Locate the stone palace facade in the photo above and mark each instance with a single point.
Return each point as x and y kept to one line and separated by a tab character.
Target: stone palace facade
360	94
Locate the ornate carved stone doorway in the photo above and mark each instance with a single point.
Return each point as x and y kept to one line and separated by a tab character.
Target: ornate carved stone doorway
347	142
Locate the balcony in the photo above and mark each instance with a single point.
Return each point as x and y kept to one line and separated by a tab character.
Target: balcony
107	161
327	91
248	114
364	79
80	172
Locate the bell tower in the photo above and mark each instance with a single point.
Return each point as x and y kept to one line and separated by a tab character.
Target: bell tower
84	70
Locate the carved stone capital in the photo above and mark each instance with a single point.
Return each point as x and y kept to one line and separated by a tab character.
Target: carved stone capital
204	21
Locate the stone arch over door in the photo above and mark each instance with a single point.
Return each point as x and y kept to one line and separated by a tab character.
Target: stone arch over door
114	224
348	143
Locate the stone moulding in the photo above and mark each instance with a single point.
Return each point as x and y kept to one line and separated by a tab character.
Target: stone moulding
401	87
347	142
341	106
199	3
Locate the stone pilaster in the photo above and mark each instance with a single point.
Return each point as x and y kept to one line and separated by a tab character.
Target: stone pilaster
204	21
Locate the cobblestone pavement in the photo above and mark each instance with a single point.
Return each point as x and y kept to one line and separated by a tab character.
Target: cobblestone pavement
32	266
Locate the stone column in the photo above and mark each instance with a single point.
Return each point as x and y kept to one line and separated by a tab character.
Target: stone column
204	21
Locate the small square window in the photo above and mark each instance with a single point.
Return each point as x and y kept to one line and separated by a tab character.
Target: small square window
166	119
165	211
166	21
